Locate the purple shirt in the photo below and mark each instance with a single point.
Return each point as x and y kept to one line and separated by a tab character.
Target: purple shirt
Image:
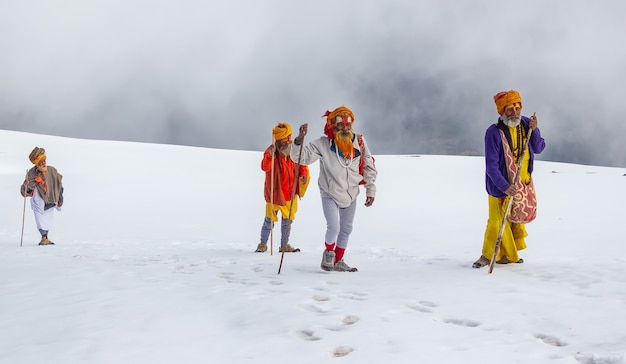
496	179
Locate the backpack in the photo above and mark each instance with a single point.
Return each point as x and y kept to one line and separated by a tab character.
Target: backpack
361	161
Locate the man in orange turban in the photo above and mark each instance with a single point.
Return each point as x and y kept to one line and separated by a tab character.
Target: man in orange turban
43	184
505	149
345	163
280	171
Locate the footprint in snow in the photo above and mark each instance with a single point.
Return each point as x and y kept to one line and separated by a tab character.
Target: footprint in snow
422	306
306	335
354	296
550	340
229	277
458	322
320	298
595	358
345	321
314	308
349	320
427	304
342	351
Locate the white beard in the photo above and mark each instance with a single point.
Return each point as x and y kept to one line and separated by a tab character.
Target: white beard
511	121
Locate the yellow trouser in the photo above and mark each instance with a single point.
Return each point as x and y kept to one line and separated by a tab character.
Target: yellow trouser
284	210
512	236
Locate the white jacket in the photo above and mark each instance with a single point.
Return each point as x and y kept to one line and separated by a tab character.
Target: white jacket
339	177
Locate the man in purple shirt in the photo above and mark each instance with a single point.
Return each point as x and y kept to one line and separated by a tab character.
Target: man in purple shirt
507	139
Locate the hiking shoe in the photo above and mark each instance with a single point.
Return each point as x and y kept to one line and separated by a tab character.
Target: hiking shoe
481	262
288	249
505	260
328	260
341	266
45	241
261	248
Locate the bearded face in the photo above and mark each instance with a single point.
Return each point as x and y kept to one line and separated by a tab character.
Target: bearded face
343	135
283	145
512	115
512	120
42	166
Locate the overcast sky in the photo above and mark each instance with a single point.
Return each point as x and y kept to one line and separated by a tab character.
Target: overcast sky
419	75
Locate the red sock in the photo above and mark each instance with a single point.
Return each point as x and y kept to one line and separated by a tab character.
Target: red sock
330	247
339	253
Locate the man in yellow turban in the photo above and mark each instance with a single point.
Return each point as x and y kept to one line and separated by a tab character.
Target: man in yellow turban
280	171
43	184
346	163
506	141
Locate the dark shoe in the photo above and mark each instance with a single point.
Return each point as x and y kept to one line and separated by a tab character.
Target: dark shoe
341	266
328	260
481	262
288	249
45	241
505	260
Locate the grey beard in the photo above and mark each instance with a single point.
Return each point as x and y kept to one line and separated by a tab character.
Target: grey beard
285	150
511	121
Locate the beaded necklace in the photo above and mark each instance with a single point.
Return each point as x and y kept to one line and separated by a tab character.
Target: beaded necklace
517	146
345	162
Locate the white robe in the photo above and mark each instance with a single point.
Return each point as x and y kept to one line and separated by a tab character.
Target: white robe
43	218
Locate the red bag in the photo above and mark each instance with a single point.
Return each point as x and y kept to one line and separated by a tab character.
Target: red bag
362	162
524	203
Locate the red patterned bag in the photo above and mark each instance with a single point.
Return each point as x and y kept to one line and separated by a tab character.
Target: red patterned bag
524	204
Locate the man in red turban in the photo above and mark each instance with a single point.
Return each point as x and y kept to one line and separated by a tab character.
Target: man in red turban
345	163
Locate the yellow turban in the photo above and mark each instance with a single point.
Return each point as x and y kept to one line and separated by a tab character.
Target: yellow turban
37	155
281	131
506	98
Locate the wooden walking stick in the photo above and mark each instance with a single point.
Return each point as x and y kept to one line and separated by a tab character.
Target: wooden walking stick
272	199
293	195
508	205
24	209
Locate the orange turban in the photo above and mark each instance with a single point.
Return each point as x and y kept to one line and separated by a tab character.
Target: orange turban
281	131
330	118
37	155
506	98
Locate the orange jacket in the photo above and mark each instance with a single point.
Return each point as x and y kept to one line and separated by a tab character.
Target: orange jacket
284	174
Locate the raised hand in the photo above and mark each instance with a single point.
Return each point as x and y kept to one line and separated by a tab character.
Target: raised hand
533	121
304	128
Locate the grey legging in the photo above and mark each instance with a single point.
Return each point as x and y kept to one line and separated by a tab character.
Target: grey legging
266	228
338	222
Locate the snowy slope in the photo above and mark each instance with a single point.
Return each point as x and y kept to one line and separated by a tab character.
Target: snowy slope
154	263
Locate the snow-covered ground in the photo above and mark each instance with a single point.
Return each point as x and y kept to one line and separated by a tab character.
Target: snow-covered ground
154	263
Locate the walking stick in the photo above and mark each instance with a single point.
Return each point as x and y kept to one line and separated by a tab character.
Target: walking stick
272	200
23	211
508	206
293	195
